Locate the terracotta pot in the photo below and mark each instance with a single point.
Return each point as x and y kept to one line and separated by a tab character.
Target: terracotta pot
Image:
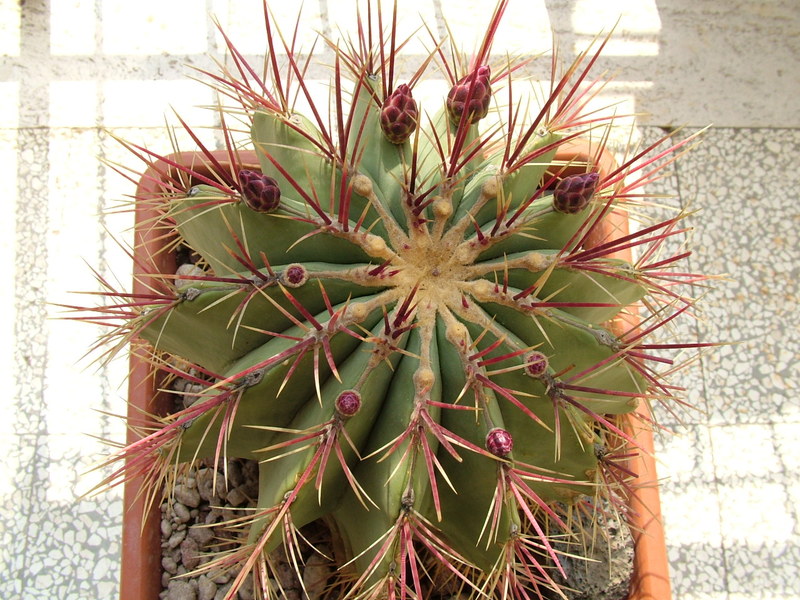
141	535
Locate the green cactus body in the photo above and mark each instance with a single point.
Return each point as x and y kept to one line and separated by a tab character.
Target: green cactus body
416	276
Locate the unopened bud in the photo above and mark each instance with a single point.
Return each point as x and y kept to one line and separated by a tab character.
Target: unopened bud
499	442
259	192
470	96
348	403
574	192
295	275
399	115
536	364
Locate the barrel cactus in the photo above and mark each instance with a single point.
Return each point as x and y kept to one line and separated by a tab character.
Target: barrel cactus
397	312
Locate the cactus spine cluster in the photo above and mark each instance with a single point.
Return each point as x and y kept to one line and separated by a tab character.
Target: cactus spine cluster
399	317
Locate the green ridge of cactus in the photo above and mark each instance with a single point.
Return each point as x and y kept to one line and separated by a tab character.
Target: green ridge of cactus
403	322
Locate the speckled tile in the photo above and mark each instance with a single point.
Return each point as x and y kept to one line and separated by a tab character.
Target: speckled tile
745	183
73	543
30	356
16	493
691	512
730	63
761	531
8	234
241	20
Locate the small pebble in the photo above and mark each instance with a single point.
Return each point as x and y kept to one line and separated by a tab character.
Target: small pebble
169	565
221	592
180	590
221	578
246	589
206	589
201	535
187	495
176	538
181	512
250	470
237	496
210	484
315	576
186	274
215	515
166	528
190	553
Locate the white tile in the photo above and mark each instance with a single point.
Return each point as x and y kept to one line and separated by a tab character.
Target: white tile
633	16
691	515
73	27
75	389
410	18
755	513
786	437
9	105
153	27
243	23
525	28
685	457
9	27
636	25
73	103
149	103
745	451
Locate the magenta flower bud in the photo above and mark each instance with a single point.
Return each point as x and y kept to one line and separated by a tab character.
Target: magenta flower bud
295	275
259	192
499	442
348	403
399	115
574	192
536	364
470	96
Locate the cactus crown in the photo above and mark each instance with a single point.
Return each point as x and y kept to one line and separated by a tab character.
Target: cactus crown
404	319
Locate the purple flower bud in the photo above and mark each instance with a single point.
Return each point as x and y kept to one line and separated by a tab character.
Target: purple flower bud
295	275
470	96
499	442
536	364
399	115
574	192
348	403
259	192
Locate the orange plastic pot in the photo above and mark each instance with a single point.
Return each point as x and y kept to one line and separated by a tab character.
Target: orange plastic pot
141	532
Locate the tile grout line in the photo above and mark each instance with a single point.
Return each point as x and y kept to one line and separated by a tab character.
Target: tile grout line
104	238
31	248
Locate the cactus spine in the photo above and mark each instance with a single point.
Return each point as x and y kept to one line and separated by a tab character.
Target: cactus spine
399	318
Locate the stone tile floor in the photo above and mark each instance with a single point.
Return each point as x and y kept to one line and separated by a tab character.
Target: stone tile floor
72	72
